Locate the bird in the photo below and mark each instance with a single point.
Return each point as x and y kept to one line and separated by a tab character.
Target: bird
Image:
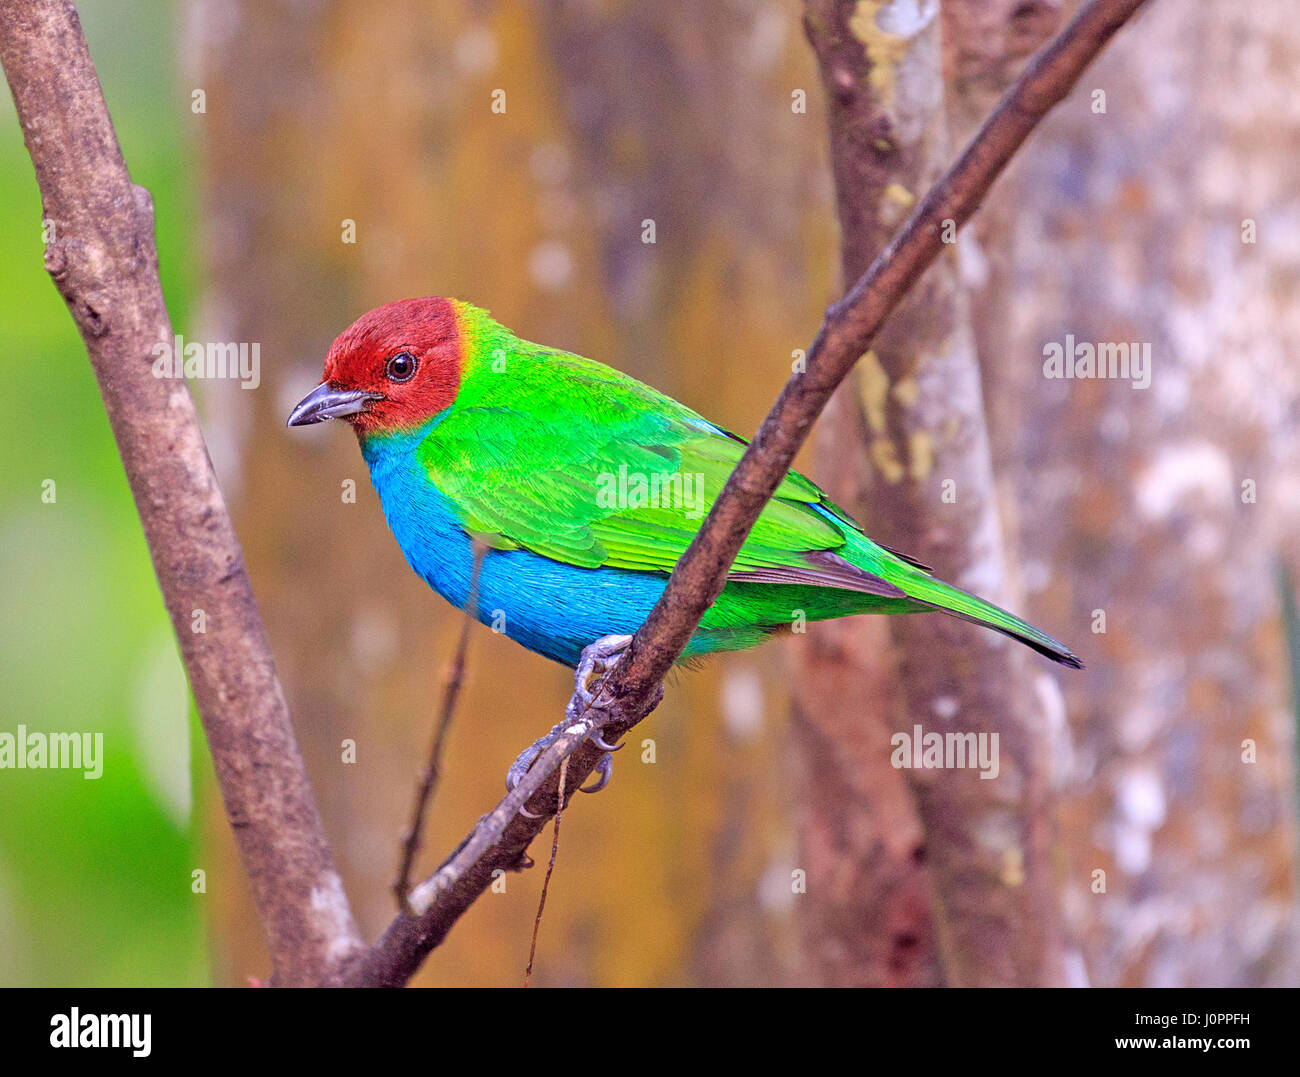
561	492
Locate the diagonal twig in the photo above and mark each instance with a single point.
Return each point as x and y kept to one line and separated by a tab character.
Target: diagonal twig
634	686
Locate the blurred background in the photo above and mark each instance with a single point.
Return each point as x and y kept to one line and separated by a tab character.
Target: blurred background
310	160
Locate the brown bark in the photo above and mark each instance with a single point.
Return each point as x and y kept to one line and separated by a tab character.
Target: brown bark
867	921
859	826
875	925
987	843
1127	226
105	264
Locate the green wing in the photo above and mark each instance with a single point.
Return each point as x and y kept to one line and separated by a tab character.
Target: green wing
582	464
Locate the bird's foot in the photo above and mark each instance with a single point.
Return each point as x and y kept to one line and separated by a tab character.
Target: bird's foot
597	659
523	764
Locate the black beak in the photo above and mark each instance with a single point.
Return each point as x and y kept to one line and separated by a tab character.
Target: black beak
325	403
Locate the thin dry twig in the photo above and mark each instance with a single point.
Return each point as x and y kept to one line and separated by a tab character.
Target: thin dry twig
433	767
550	869
632	689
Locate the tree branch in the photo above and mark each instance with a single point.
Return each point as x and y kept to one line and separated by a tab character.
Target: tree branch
845	334
632	689
105	264
498	843
996	912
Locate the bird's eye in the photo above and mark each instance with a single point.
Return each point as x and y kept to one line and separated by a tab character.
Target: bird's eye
401	367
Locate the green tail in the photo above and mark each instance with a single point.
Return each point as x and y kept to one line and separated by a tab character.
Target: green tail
935	594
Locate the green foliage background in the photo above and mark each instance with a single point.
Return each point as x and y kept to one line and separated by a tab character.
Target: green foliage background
95	876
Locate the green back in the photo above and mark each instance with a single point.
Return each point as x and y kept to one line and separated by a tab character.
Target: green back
568	458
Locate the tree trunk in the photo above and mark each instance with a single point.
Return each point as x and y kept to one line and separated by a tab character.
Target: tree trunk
928	490
1155	516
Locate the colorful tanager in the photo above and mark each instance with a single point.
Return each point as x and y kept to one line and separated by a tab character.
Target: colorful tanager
584	486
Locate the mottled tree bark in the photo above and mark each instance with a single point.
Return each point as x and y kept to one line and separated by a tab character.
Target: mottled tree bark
1133	225
860	831
927	488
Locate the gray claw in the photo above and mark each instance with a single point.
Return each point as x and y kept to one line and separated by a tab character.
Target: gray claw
604	771
523	763
597	658
599	742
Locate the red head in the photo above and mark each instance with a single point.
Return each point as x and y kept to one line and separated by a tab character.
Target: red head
393	368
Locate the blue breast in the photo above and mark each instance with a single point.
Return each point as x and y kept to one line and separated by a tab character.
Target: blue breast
550	607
